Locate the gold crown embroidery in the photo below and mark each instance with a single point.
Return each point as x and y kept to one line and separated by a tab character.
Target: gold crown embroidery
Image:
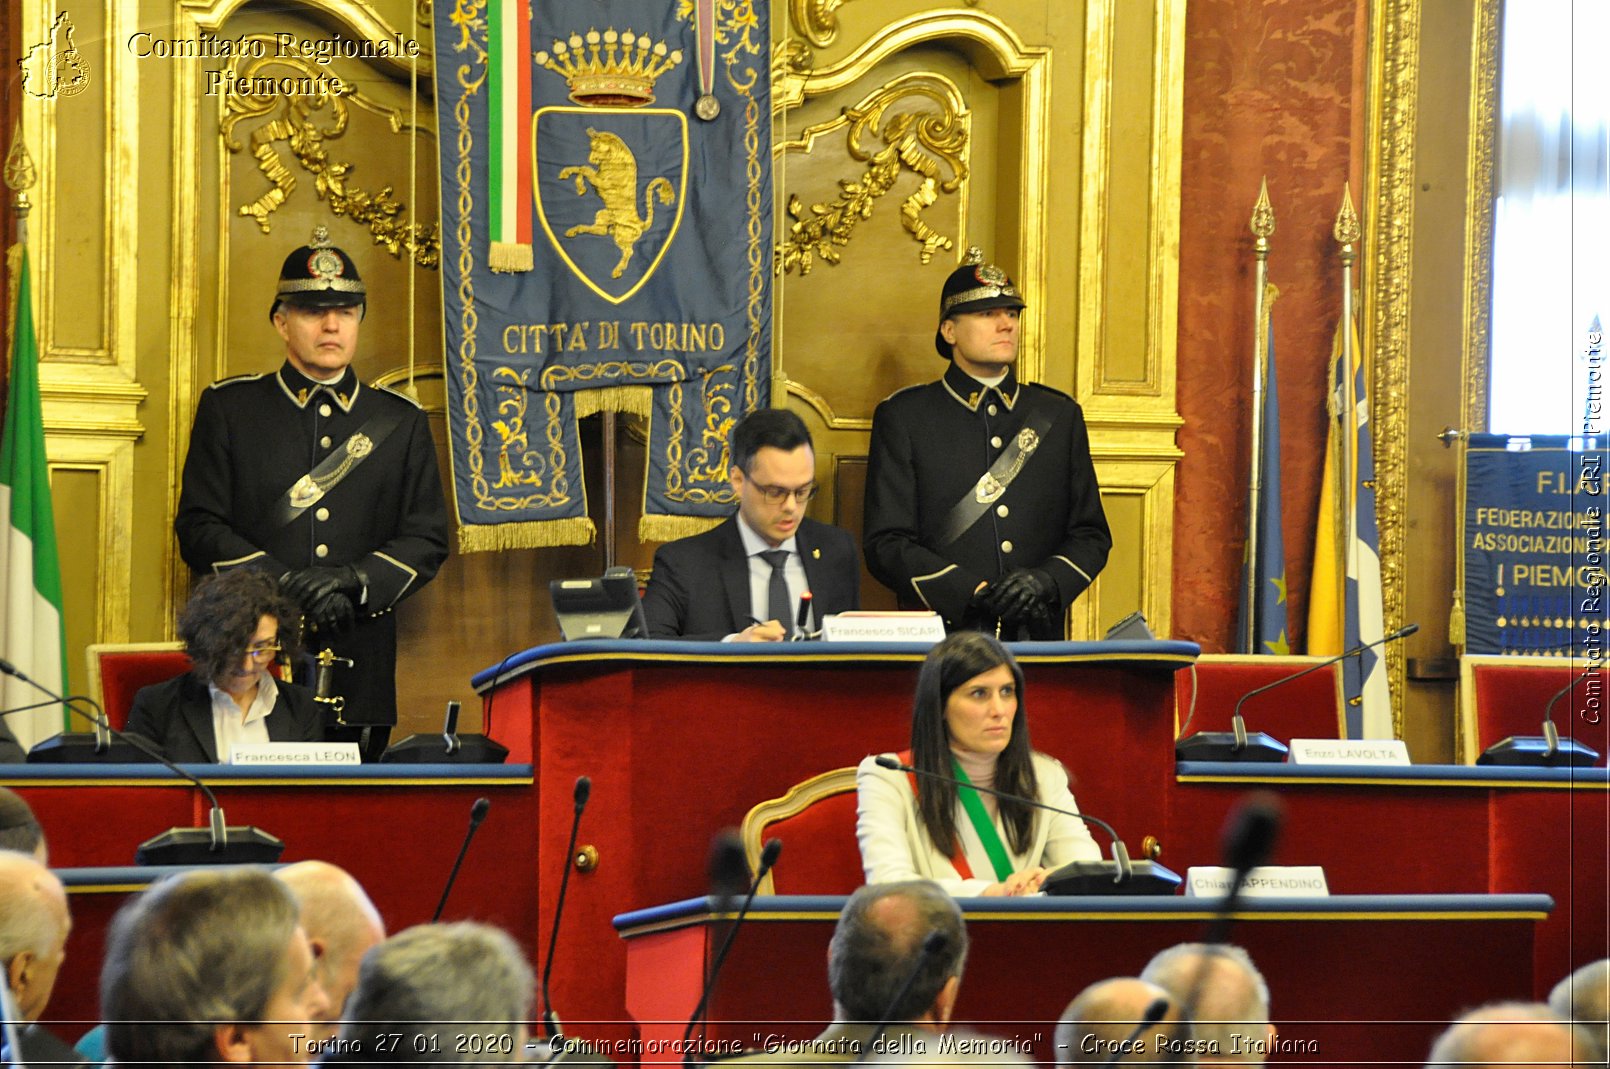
610	69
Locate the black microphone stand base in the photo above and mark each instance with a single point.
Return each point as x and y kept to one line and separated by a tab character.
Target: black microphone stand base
432	750
1100	878
1532	751
1221	746
193	846
78	748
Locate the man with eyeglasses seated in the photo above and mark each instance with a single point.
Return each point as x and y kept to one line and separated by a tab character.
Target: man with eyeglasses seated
743	581
233	627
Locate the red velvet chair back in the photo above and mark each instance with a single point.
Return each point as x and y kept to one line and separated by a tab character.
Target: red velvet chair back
118	671
1503	696
817	821
1308	708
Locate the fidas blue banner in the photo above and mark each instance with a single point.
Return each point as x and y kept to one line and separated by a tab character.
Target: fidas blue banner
1535	566
606	220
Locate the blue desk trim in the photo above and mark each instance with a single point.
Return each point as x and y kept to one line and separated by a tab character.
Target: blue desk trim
154	775
1139	907
1164	655
1473	776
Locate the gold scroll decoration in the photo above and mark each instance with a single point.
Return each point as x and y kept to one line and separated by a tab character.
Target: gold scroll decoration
815	20
918	123
298	125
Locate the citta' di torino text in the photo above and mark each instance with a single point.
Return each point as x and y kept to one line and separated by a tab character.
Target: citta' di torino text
320	50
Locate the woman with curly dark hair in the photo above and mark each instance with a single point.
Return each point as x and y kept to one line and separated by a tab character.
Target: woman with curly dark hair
968	724
234	627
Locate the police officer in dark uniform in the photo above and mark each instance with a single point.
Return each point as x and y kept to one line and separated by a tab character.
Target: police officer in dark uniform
981	499
321	480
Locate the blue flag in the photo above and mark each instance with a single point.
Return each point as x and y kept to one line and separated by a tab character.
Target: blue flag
1268	607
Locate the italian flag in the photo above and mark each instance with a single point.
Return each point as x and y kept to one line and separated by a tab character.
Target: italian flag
31	633
508	79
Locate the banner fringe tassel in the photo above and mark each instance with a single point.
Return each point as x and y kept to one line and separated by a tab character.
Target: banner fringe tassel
510	257
662	528
633	400
538	534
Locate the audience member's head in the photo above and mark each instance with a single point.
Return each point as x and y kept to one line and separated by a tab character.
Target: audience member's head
341	925
418	981
33	930
1103	1022
879	943
1230	1014
19	828
210	965
1510	1034
1584	998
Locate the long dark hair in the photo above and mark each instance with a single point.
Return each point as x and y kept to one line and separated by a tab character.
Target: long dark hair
223	612
950	664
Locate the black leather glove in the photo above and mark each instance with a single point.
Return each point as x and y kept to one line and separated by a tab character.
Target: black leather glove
310	586
333	612
1020	594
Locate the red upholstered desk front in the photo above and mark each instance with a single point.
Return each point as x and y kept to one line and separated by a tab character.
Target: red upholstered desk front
1364	980
680	739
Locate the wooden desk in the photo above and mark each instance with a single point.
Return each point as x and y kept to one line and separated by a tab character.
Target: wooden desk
1353	978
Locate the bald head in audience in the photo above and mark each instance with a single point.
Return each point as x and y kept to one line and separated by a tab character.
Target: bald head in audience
341	925
1510	1034
1105	1020
1584	997
33	930
19	828
1230	1019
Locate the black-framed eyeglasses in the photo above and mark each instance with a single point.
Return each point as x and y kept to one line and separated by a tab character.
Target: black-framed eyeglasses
776	495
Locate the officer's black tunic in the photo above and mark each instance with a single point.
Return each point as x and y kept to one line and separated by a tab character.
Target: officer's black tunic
254	436
930	444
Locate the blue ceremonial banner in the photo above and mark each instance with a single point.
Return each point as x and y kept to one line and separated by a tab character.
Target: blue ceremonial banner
606	220
1535	545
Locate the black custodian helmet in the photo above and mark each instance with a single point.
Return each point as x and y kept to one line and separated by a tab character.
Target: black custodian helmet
975	286
318	275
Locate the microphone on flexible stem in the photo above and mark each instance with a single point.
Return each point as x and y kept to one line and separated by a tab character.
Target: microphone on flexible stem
934	944
217	844
447	748
722	870
802	619
550	1019
1551	749
1120	876
477	814
1250	833
1155	1011
74	747
1237	744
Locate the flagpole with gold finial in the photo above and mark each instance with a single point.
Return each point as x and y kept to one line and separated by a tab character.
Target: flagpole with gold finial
1344	402
1263	225
20	177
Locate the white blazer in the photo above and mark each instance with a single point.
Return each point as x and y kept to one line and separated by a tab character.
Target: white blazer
895	845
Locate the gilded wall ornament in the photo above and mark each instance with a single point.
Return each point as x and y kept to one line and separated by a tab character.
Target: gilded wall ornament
931	143
305	122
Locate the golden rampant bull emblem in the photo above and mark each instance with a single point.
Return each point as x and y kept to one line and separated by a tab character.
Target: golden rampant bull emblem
612	172
636	168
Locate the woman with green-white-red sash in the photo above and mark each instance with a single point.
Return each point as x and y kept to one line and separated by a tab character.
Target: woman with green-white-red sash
968	727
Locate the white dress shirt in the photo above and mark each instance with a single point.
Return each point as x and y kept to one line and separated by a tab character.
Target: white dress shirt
230	728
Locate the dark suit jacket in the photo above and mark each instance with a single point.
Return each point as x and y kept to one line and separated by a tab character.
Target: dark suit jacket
11	751
177	716
700	585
